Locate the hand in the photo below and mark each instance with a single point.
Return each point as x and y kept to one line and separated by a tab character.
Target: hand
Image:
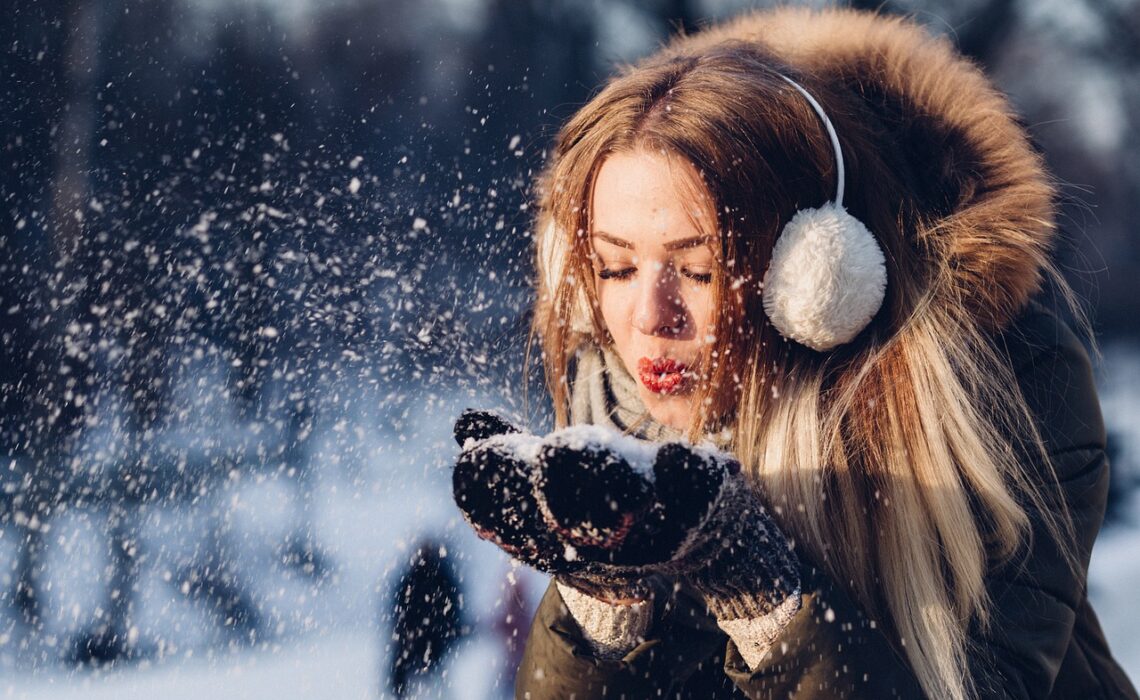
634	502
602	511
493	485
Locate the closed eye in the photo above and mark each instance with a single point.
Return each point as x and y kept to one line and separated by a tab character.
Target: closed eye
619	274
625	273
696	276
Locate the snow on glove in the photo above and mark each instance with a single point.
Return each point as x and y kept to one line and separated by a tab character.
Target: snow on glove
493	485
679	510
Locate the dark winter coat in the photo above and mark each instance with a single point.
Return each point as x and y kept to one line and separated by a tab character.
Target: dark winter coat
1045	642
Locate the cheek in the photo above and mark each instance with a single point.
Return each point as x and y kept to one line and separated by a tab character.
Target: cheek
701	307
614	305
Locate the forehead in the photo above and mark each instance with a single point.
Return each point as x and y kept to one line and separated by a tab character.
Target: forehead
650	197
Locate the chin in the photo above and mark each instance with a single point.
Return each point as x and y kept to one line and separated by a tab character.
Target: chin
674	411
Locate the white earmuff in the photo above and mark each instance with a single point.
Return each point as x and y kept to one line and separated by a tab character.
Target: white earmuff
828	276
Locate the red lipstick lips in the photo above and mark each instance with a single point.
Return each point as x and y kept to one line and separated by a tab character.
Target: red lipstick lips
662	375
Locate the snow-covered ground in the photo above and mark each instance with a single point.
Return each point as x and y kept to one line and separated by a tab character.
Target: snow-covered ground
1115	567
381	487
331	636
1113	576
324	638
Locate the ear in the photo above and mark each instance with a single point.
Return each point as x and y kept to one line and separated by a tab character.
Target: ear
554	250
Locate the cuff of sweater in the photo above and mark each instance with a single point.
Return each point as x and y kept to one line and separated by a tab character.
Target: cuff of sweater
754	636
611	630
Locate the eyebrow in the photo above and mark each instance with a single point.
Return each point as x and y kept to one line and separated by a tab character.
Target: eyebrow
613	240
679	244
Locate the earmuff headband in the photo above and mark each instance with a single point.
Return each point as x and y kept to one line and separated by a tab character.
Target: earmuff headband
830	132
827	276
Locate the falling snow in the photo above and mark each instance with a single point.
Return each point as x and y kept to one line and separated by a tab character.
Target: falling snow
253	265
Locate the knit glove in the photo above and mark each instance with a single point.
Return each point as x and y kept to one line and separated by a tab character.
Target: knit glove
602	511
494	484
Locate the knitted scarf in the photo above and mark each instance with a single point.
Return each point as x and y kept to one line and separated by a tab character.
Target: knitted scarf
602	392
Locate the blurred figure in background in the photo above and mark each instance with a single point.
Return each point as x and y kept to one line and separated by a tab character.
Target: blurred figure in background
427	617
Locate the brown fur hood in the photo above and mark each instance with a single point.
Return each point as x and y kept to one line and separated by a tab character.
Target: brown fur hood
991	226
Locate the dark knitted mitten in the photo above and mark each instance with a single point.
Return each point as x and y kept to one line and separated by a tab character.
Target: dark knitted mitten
737	557
493	485
684	511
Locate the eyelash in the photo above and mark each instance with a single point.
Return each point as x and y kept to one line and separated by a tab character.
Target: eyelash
622	274
627	272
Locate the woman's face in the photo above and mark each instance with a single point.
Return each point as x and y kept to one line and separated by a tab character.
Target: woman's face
653	260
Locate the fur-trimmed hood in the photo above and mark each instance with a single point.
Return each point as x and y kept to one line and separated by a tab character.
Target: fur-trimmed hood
994	235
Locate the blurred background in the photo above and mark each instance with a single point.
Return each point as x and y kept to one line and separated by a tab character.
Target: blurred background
256	255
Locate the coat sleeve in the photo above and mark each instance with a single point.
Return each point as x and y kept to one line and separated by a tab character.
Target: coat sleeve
557	662
830	649
1037	594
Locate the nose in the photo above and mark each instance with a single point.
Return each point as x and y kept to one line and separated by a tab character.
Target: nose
659	308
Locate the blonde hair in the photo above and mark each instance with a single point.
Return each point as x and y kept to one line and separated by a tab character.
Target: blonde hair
897	462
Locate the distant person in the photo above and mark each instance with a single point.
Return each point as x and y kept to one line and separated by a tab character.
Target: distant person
427	620
830	439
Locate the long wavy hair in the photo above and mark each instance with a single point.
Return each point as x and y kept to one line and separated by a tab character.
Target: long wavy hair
896	461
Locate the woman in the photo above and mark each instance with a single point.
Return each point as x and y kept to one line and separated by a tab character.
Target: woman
816	240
